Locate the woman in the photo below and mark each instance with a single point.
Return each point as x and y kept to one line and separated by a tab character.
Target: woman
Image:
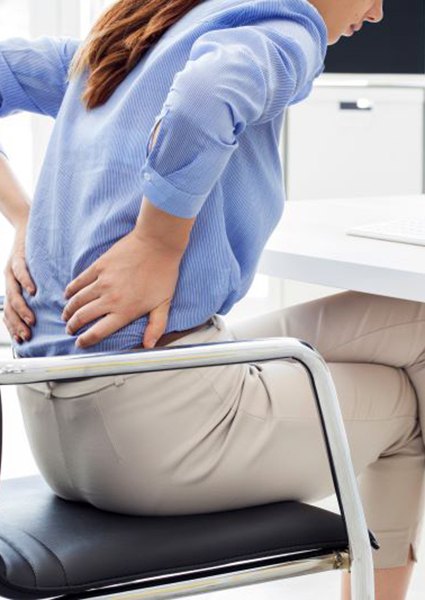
161	184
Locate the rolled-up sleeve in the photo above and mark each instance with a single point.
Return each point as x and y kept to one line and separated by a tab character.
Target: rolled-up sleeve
234	78
33	74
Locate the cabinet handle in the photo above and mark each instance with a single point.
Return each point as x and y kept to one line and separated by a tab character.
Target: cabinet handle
361	104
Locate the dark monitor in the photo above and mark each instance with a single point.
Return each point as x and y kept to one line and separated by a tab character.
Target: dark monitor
396	45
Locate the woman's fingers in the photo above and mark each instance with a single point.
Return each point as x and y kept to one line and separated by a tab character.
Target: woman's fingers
15	300
15	325
100	330
10	330
80	299
85	315
20	271
110	323
85	278
157	324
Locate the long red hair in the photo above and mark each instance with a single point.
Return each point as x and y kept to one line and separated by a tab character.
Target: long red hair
119	39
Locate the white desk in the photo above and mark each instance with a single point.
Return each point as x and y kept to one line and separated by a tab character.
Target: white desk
310	244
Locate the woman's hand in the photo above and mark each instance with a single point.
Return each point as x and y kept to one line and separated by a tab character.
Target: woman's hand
135	277
18	317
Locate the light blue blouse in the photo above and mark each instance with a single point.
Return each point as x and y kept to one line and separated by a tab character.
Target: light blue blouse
219	80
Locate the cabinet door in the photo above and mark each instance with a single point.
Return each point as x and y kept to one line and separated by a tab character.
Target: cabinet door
347	142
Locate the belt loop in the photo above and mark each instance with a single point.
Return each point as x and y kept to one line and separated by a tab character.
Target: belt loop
217	322
48	392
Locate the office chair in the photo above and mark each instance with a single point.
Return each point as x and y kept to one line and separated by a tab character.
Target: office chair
53	548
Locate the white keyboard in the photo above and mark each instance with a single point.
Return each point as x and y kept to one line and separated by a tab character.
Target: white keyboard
407	230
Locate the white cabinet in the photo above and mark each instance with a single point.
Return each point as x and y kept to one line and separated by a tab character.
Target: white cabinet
349	141
345	142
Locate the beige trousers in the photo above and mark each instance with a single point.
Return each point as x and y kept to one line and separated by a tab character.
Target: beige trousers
215	438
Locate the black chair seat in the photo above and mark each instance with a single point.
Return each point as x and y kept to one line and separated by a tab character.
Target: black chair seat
50	547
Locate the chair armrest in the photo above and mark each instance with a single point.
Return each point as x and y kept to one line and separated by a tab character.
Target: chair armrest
139	360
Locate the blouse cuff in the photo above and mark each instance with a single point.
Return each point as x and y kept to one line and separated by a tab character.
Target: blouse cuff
168	198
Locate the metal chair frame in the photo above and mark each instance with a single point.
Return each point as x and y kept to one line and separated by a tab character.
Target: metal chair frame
358	558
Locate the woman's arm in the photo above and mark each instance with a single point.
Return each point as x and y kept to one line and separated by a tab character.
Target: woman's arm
14	202
33	73
234	77
15	206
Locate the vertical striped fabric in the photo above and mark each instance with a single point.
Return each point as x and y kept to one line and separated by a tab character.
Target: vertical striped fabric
219	81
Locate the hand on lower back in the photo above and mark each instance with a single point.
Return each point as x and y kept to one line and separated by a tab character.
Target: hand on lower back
133	278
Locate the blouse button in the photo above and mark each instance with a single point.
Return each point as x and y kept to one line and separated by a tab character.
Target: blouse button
148	176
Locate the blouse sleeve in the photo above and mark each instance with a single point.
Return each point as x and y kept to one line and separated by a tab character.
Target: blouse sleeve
234	77
33	74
